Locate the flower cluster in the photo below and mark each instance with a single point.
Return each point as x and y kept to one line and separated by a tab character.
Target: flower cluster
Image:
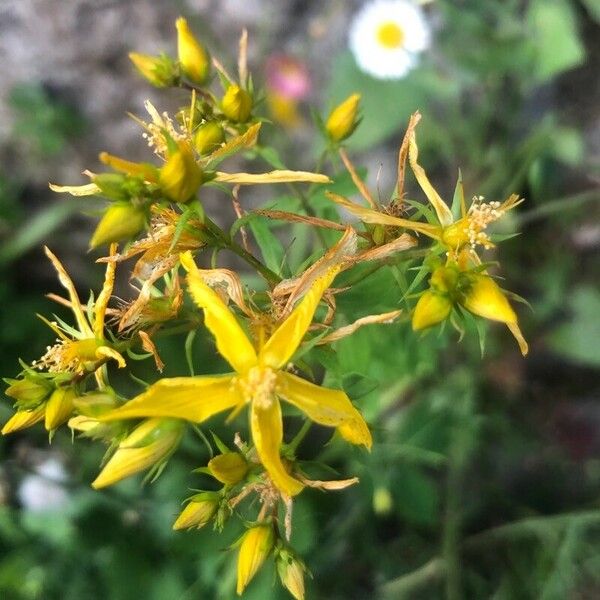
265	335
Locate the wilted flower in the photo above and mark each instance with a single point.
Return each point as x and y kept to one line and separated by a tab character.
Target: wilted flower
387	36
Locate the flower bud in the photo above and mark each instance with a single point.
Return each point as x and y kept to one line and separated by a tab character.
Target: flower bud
255	547
24	418
181	176
198	512
431	308
236	104
194	59
208	137
27	392
59	407
228	468
121	221
343	119
158	70
149	444
444	279
291	573
382	501
486	299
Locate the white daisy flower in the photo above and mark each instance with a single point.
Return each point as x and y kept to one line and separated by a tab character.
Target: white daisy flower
386	37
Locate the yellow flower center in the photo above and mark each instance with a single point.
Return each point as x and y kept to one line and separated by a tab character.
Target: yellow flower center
390	35
258	385
68	355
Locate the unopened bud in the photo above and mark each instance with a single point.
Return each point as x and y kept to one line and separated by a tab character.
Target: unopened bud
256	545
444	279
24	418
291	573
208	137
180	177
229	468
27	392
121	221
149	444
343	119
198	512
486	299
59	407
432	308
158	70
193	57
236	104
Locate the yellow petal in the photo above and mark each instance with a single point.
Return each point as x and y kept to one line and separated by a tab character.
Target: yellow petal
24	418
67	283
240	142
442	210
89	189
267	434
326	407
107	352
232	343
287	337
280	176
147	171
368	215
191	398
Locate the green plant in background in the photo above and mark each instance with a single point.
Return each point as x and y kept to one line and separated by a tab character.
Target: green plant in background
274	335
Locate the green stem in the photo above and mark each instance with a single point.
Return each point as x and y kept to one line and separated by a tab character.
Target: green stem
227	242
293	445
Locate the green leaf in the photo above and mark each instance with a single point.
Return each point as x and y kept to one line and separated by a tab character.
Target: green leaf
417	497
554	32
270	247
579	338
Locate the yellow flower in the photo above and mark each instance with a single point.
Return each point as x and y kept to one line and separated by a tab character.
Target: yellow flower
343	119
470	288
236	104
121	221
148	445
193	57
180	177
85	348
255	547
259	381
229	468
198	512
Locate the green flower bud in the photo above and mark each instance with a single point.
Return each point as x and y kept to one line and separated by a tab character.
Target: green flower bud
198	512
236	104
228	468
158	70
59	407
208	137
121	221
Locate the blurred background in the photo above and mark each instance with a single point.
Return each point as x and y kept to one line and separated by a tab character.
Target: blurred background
485	478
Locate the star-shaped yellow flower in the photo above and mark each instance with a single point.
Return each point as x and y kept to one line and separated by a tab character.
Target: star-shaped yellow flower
259	381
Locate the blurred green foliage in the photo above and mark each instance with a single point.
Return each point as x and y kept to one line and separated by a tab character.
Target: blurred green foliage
484	479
